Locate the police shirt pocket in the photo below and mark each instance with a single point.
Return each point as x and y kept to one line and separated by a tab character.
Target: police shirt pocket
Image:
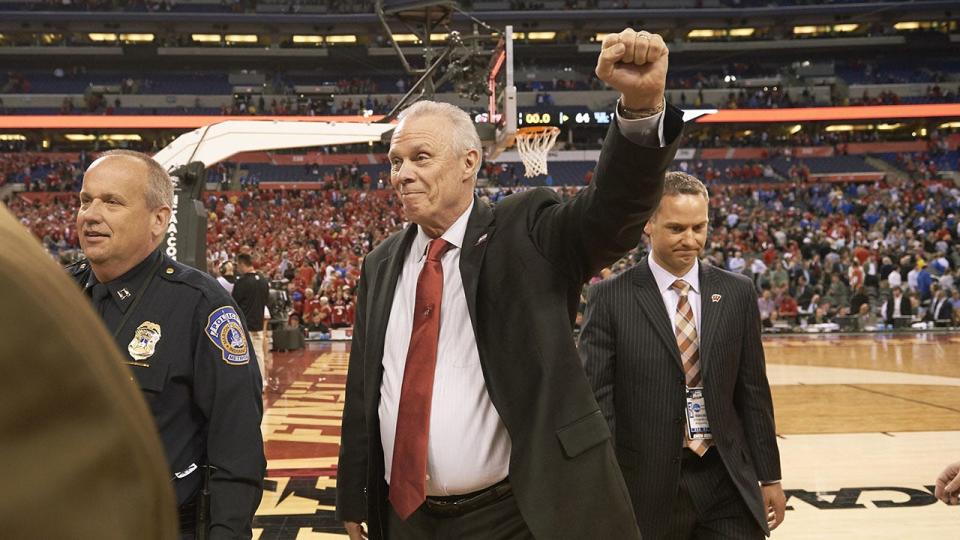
583	434
150	378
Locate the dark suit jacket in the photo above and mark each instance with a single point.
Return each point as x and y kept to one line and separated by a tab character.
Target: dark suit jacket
632	360
906	308
523	265
944	313
79	446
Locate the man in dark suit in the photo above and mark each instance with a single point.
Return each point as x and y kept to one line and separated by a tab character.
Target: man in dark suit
672	349
897	305
803	293
941	308
467	413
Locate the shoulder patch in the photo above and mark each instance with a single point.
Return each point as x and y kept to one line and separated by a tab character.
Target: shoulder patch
226	332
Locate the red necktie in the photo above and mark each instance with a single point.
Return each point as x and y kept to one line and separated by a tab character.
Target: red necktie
408	474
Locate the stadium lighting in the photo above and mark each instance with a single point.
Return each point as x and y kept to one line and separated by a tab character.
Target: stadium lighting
406	38
205	38
439	37
810	29
707	33
347	38
541	36
889	127
950	125
845	27
12	137
241	38
96	36
795	129
849	127
51	38
304	38
136	38
907	25
84	137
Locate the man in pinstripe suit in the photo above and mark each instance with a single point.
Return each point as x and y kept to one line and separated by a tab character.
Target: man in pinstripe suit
672	350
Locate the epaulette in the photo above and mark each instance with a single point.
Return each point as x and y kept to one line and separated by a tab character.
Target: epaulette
187	275
172	271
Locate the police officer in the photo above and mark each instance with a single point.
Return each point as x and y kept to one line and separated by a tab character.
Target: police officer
252	293
183	339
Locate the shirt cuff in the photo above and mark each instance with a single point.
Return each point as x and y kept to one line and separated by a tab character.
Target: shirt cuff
769	482
642	131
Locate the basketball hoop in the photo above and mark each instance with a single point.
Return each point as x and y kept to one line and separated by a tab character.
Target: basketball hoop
533	145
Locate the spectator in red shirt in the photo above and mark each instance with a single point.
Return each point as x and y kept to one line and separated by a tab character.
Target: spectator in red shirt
788	308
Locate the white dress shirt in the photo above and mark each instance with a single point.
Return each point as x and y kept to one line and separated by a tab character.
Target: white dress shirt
468	448
671	297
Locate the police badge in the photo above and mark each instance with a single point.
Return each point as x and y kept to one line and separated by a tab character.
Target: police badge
144	342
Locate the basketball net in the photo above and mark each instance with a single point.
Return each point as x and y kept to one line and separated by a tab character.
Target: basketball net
533	145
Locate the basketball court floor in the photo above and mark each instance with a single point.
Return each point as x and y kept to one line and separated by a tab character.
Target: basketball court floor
865	425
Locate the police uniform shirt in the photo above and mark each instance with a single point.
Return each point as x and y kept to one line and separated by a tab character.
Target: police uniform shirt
188	349
252	293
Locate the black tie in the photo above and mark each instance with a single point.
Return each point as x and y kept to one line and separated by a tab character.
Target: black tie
99	294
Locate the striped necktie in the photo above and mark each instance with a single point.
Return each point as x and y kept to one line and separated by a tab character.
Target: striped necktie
686	332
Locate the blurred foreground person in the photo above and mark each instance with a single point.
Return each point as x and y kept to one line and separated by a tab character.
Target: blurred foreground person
81	455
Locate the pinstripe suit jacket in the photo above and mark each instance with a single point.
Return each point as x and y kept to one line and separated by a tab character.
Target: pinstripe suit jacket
632	360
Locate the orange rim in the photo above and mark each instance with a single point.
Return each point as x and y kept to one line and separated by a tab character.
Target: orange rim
536	130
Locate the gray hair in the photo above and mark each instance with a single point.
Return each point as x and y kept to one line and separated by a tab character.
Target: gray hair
464	137
159	191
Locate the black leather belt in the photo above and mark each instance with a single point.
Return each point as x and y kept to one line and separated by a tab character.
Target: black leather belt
458	505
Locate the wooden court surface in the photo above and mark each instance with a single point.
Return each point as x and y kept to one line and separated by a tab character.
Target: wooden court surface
865	424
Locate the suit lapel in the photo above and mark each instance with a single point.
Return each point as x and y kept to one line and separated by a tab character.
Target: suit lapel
385	286
709	311
651	301
475	240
